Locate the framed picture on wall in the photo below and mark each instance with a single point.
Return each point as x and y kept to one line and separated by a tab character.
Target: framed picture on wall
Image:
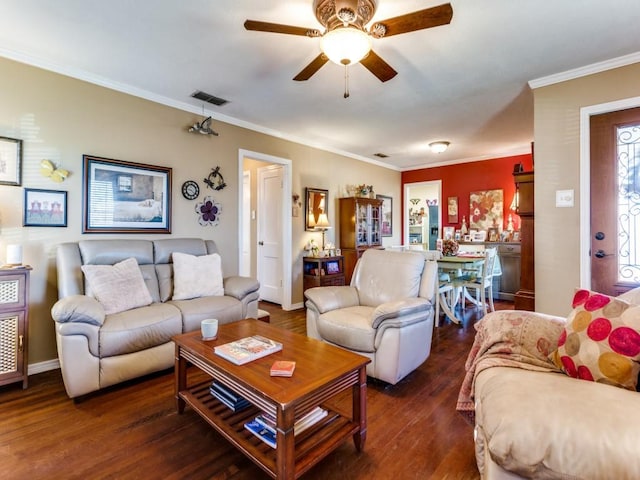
452	209
10	161
386	215
125	197
44	208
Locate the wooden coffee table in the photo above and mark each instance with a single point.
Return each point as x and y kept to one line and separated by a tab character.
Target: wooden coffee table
322	371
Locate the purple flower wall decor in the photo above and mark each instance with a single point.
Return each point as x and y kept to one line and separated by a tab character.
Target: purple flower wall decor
208	212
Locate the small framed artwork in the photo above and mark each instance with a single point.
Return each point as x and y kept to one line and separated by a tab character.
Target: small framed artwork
493	234
386	214
505	236
10	161
452	209
457	236
44	208
515	237
333	267
448	233
467	238
125	197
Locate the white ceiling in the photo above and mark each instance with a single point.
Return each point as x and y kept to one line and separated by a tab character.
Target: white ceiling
466	82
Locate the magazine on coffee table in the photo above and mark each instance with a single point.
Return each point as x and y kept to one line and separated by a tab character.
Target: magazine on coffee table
247	349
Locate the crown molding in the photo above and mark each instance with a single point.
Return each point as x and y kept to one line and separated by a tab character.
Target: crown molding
88	77
586	70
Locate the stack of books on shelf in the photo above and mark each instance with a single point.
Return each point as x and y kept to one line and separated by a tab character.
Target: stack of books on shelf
227	396
264	425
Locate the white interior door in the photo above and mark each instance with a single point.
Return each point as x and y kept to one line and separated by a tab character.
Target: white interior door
269	257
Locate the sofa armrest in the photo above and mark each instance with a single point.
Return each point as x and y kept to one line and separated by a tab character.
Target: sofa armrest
325	299
398	309
78	308
240	287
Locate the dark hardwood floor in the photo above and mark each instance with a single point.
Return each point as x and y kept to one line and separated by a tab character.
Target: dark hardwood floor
132	431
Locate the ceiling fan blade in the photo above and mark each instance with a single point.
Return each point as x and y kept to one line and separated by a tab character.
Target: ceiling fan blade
427	18
312	68
378	67
278	28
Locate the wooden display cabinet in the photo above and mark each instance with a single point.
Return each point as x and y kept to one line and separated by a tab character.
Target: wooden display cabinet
323	271
360	222
525	298
14	315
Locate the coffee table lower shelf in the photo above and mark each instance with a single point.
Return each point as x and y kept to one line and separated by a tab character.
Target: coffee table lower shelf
310	446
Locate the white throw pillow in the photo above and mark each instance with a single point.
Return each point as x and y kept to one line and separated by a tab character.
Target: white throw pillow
118	287
195	277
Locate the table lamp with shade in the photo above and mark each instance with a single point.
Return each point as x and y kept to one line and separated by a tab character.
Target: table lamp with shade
323	225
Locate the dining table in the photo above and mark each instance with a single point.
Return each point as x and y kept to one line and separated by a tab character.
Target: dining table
454	265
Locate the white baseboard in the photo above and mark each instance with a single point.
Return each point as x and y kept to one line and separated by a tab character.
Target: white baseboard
295	306
41	367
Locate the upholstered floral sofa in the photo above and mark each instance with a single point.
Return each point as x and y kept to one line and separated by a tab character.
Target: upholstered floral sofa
531	418
121	301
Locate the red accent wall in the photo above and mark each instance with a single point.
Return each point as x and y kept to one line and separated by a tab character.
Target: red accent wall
461	179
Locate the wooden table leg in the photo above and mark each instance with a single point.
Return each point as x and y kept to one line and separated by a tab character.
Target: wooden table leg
285	444
180	373
360	409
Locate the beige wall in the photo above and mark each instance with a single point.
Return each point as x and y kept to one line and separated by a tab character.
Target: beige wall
61	119
557	167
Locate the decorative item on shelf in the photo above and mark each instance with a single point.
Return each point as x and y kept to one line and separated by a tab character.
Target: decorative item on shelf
190	190
363	190
215	181
322	225
463	228
312	247
208	212
14	255
449	247
49	170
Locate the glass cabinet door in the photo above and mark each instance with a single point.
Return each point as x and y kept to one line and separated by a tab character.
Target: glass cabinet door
362	227
374	238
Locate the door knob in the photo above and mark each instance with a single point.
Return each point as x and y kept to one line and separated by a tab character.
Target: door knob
260	243
602	254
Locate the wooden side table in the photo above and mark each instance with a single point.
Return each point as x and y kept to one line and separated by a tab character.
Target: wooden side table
14	316
323	271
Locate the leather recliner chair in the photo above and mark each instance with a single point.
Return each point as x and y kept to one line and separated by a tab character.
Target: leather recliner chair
386	314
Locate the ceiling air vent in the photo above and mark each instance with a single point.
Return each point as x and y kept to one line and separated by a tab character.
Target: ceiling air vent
207	97
380	155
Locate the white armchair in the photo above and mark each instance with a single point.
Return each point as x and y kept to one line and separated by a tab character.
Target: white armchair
386	314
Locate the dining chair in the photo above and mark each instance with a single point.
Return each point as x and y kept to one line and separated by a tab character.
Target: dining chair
482	282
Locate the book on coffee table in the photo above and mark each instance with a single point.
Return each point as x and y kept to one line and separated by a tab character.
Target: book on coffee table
247	349
282	368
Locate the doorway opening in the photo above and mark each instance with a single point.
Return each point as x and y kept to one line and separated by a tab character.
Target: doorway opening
422	217
273	205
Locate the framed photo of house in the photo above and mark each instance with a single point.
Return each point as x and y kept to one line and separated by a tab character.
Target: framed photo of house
125	197
386	215
10	161
44	208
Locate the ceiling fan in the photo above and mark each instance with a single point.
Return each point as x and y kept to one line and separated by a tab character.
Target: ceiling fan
347	41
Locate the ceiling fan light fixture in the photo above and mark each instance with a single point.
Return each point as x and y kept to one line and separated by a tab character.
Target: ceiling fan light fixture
439	146
345	45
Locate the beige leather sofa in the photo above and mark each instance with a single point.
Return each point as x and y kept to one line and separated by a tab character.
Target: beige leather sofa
547	425
97	349
386	314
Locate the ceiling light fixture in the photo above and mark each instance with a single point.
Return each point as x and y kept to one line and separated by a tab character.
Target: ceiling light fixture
438	147
345	45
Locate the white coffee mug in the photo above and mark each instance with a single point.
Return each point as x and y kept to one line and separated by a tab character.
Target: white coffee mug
209	329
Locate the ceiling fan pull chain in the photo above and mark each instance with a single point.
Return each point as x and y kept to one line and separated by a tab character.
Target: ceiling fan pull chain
346	81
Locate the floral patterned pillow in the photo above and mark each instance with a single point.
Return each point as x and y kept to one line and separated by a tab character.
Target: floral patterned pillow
601	340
